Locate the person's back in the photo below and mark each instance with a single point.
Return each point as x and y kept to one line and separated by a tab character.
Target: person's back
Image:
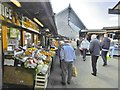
95	47
105	48
95	52
69	53
85	44
67	57
106	43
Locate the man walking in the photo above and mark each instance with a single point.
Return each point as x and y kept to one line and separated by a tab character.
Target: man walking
95	52
85	47
105	48
67	57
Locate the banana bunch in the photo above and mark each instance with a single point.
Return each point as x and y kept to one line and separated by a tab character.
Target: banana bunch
52	53
45	53
52	49
28	52
32	48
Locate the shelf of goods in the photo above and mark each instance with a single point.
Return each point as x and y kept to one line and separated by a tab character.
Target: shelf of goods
31	68
19	27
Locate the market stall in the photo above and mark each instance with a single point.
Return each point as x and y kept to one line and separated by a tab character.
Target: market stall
24	61
28	66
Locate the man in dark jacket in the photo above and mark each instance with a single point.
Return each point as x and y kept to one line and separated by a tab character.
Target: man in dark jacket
95	52
105	48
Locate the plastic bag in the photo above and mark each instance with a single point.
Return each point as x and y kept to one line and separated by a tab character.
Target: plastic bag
74	71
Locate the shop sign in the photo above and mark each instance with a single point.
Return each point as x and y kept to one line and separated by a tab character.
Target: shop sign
5	11
14	32
26	22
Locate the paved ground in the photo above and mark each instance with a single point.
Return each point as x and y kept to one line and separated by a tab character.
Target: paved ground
107	77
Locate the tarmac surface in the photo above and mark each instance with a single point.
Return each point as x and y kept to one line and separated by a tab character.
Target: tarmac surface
107	77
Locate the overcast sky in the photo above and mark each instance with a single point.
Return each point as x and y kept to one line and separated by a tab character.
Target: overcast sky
93	13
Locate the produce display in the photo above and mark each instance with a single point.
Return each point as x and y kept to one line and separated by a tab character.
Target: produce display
38	59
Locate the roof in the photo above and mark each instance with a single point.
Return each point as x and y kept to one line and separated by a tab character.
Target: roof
115	9
93	31
40	10
117	6
78	22
112	29
68	23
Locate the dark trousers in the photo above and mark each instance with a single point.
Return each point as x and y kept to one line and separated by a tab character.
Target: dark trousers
84	53
66	68
94	63
104	56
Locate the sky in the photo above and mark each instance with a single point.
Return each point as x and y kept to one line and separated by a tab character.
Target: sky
93	13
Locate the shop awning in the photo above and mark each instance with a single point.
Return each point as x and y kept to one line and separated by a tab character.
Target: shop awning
93	31
115	9
112	29
40	10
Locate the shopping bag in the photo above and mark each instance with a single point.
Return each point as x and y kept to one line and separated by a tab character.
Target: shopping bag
74	71
108	56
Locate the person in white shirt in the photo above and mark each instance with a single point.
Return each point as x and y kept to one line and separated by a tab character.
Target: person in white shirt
85	47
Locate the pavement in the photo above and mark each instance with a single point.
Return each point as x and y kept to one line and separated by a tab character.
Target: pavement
107	77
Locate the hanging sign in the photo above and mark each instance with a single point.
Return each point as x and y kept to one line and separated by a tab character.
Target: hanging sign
14	32
5	11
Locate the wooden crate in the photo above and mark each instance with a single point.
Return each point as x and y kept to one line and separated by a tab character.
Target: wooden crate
41	81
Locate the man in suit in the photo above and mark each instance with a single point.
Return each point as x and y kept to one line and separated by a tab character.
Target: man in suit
105	48
95	52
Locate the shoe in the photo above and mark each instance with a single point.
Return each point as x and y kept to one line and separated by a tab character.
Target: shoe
104	65
63	83
84	59
68	82
93	74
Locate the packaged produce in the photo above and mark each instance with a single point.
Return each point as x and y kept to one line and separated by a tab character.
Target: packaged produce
40	62
39	68
44	69
30	63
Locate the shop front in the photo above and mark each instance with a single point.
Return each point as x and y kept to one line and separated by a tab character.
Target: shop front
26	59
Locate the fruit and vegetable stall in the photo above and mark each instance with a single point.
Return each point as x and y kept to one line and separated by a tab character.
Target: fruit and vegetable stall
31	68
